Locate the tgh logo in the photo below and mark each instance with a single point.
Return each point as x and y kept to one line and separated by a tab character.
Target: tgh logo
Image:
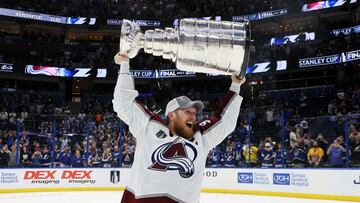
245	178
281	179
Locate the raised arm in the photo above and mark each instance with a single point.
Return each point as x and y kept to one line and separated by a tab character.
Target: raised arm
328	150
133	113
223	122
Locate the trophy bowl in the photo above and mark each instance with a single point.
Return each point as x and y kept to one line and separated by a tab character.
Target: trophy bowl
205	46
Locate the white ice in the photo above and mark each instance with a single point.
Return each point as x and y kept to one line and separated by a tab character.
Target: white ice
115	197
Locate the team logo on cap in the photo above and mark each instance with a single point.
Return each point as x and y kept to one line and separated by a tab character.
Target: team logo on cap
183	100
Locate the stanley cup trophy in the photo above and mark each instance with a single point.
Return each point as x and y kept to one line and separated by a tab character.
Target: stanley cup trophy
206	46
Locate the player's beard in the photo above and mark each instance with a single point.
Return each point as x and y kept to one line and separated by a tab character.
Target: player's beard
183	130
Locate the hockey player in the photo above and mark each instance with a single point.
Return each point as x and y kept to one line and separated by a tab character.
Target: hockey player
170	155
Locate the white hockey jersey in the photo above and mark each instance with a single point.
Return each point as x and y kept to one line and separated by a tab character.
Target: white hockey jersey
168	165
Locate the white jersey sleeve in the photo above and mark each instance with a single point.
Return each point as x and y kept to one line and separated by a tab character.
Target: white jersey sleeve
133	113
223	122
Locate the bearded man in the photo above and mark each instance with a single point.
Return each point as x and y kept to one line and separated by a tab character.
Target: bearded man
170	154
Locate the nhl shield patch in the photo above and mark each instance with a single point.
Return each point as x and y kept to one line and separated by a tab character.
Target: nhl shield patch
161	134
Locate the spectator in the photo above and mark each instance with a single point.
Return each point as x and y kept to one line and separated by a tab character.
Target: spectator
4	116
241	132
299	156
353	132
288	128
116	156
98	118
36	159
270	117
323	144
238	154
213	158
65	157
65	141
332	108
11	137
12	120
279	160
230	155
95	161
77	160
304	125
335	153
267	156
303	100
354	142
81	115
315	155
12	156
4	157
106	159
46	157
292	137
128	156
131	143
57	155
250	156
24	115
25	156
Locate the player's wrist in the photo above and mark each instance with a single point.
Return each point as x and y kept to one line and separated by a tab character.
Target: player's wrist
124	67
235	87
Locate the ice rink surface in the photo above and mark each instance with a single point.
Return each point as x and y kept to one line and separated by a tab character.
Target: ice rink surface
114	197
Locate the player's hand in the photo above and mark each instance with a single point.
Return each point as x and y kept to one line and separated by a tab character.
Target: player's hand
119	58
237	80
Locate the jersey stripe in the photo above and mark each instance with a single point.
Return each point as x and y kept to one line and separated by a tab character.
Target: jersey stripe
150	114
216	117
129	197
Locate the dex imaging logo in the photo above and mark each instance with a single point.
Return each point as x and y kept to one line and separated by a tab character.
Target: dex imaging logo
281	179
245	178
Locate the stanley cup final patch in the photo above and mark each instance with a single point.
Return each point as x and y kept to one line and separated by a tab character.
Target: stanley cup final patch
115	176
161	134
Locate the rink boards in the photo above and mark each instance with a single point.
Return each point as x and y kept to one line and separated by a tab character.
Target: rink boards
307	183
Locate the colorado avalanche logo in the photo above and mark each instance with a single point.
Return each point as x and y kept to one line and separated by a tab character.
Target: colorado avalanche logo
176	155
